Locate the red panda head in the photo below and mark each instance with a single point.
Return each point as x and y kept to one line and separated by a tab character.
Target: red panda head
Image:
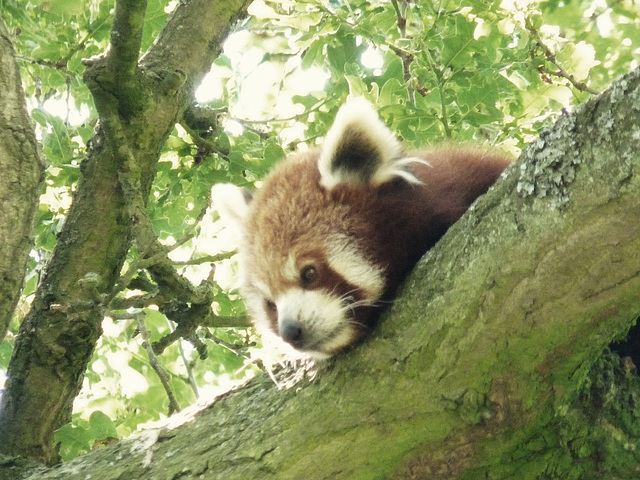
332	232
312	256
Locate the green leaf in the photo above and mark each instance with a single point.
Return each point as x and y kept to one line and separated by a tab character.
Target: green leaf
273	153
101	426
312	54
74	440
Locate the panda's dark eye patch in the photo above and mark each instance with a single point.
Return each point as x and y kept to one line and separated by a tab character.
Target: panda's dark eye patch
270	306
308	276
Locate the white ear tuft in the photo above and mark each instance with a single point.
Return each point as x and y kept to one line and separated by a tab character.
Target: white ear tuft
358	148
232	204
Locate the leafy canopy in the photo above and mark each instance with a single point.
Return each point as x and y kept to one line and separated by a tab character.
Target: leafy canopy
484	71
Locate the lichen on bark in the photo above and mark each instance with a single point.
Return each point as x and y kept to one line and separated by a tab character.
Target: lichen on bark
22	167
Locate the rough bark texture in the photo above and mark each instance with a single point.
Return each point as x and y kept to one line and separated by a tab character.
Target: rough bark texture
138	107
22	168
482	367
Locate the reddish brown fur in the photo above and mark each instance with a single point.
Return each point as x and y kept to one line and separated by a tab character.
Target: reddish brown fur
393	224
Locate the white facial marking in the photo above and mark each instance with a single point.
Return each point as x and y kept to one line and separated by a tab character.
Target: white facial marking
323	318
262	288
345	259
289	269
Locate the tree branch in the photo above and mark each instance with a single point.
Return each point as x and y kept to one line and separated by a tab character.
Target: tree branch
201	123
208	27
157	366
400	8
126	36
122	57
22	168
551	57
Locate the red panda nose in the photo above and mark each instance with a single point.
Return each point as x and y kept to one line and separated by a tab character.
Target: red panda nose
291	332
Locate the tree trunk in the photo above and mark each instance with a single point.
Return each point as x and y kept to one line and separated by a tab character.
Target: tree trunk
482	367
138	104
22	168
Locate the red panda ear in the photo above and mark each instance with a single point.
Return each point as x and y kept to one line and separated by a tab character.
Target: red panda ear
232	204
359	148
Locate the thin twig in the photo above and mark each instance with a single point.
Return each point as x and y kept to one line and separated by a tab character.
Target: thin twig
401	18
189	366
551	57
206	259
292	118
61	63
164	377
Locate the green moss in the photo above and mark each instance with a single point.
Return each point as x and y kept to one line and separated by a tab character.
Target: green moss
597	436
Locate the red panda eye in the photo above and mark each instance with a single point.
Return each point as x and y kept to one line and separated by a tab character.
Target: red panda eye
308	276
271	306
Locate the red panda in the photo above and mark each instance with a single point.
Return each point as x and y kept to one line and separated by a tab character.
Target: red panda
333	232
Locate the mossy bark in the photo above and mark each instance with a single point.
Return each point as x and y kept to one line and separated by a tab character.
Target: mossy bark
138	103
22	168
490	363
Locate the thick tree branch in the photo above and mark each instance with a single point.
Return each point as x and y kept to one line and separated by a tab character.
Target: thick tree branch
126	38
209	23
22	168
117	88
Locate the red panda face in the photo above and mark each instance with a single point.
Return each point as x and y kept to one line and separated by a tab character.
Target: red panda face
331	233
308	276
313	299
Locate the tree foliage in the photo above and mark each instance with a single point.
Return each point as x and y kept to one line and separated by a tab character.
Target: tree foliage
458	71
